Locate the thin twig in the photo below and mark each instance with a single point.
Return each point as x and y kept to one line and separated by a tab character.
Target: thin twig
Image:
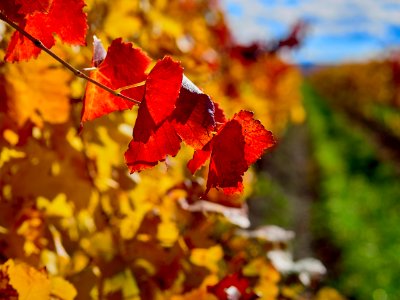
76	72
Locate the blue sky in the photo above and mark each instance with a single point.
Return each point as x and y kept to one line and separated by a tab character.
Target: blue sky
340	30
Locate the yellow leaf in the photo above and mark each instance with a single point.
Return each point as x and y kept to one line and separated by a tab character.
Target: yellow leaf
328	293
11	137
100	244
59	207
167	233
267	284
124	282
36	91
8	154
197	294
30	283
62	289
208	258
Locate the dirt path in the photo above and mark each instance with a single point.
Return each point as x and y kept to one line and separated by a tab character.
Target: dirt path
290	167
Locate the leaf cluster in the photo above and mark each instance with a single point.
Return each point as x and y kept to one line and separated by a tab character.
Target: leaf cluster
68	201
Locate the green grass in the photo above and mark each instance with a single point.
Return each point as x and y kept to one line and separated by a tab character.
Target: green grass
359	205
272	204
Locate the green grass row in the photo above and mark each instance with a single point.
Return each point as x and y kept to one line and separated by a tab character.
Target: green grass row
359	205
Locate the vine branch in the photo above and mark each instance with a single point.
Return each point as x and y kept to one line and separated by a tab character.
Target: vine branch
75	71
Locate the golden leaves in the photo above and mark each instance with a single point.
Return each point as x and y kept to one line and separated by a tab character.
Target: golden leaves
58	207
20	281
29	283
8	154
208	258
35	91
62	289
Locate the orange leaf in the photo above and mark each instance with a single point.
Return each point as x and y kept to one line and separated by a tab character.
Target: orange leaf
124	65
30	283
34	91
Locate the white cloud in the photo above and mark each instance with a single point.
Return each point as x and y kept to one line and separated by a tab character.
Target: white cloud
328	17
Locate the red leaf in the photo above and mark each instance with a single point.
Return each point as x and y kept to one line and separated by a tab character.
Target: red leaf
219	116
232	286
163	120
29	6
238	144
162	89
64	18
227	163
256	137
154	137
199	158
10	9
150	143
124	65
193	117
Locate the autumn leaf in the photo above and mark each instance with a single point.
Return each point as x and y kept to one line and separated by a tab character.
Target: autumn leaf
193	118
150	144
197	294
69	203
17	9
62	289
64	18
233	286
10	8
30	283
35	91
208	258
7	291
29	6
154	137
123	66
164	119
237	145
162	89
200	157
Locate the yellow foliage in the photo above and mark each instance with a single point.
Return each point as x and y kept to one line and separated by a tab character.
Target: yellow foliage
30	283
101	245
167	233
36	91
62	289
327	293
198	294
267	284
123	282
209	258
8	154
11	137
59	207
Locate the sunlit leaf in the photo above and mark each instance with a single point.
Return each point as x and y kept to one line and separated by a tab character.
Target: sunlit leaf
123	66
28	282
43	25
34	91
62	289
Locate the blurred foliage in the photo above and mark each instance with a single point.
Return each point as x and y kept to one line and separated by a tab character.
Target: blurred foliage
356	219
369	90
74	220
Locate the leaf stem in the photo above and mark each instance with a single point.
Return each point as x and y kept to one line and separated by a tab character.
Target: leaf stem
75	71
